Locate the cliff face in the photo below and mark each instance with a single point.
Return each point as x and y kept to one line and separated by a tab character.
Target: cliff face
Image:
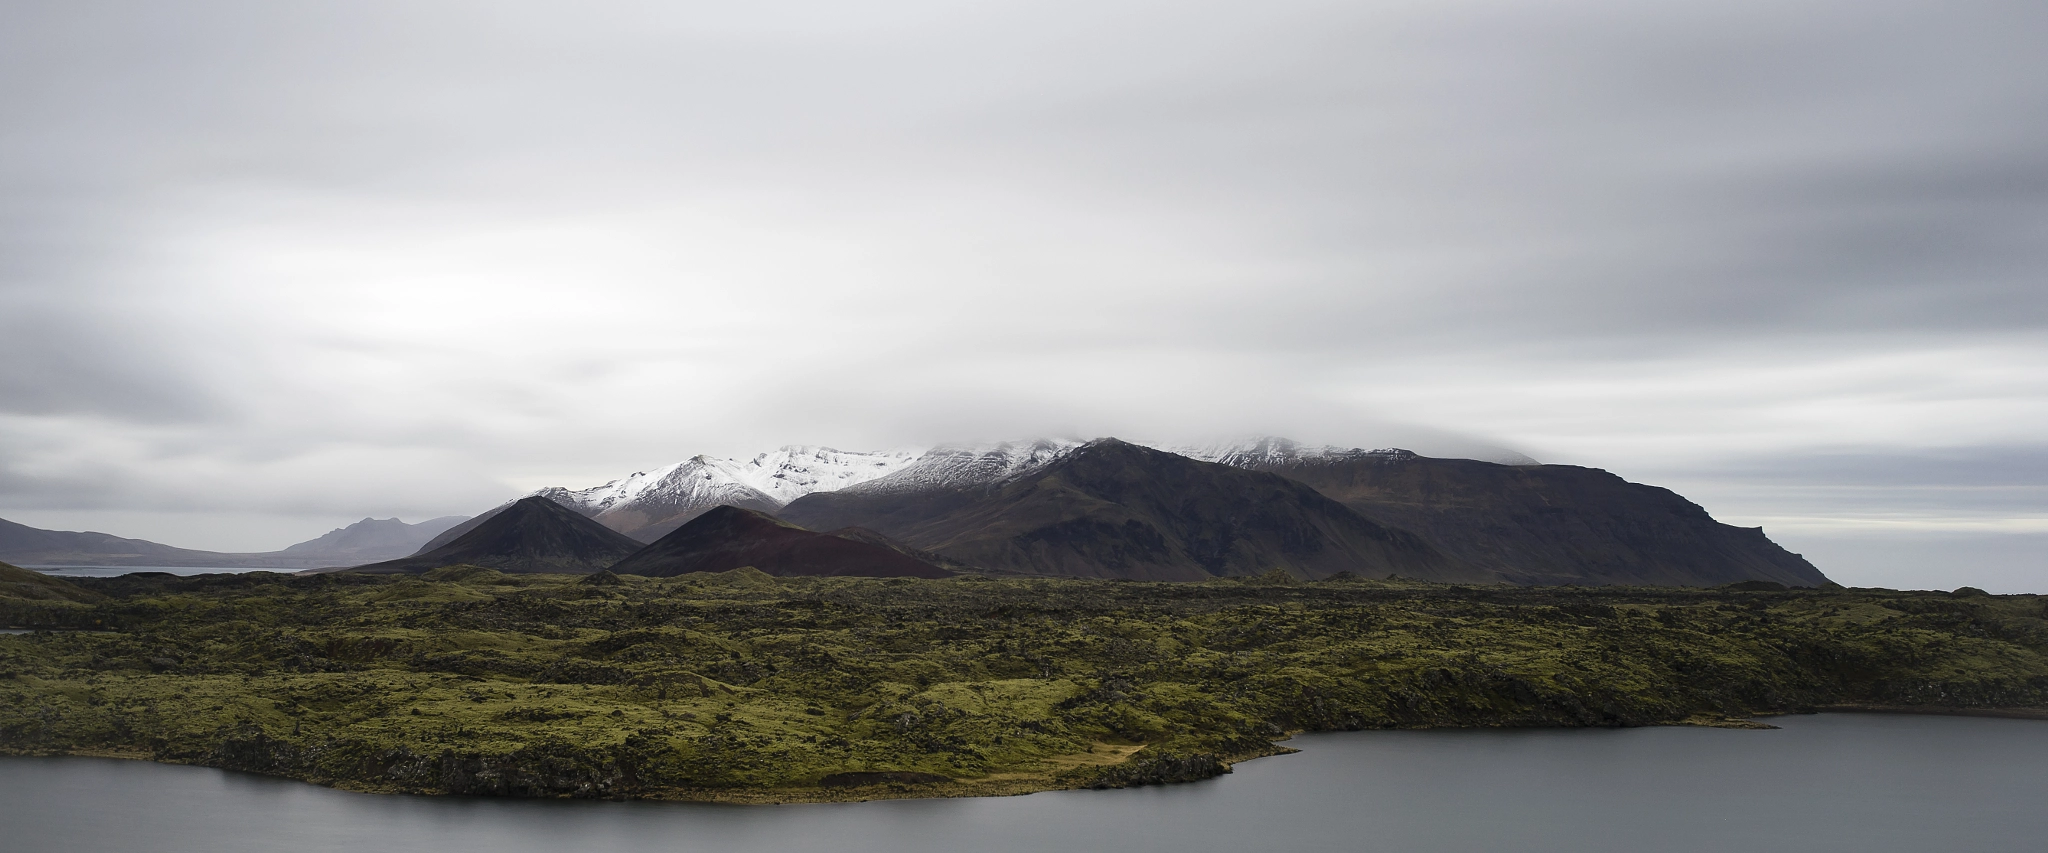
1548	524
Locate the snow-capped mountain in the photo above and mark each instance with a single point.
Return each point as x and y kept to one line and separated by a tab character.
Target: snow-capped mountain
795	471
648	504
1266	450
954	466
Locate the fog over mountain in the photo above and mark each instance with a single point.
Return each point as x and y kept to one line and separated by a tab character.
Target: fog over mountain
270	268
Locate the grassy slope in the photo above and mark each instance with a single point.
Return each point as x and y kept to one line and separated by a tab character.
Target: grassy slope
744	687
22	584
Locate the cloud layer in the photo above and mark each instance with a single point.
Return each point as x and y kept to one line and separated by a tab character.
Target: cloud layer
269	266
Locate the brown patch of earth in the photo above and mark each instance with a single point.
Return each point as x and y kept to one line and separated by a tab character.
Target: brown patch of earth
1716	721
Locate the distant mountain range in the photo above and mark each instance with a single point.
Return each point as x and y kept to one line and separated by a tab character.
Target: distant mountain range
368	540
648	504
1103	508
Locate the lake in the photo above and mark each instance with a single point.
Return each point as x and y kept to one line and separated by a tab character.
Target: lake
117	571
1834	782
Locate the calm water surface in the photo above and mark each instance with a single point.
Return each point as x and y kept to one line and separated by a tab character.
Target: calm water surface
1834	782
117	571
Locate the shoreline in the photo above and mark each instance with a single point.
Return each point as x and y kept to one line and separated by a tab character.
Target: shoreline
744	688
1011	784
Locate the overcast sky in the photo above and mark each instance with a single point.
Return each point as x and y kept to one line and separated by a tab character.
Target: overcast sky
270	267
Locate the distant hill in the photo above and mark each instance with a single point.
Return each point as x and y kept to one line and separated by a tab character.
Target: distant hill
364	541
1537	524
534	534
20	543
17	582
1110	509
374	539
730	537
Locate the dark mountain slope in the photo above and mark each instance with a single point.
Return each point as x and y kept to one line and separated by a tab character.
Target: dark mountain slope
729	537
653	516
862	534
1548	524
1110	509
562	497
462	528
20	543
532	535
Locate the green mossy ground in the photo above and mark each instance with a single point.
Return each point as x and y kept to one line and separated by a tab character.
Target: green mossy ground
744	687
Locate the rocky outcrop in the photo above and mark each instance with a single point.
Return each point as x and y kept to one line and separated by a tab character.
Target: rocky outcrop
1159	770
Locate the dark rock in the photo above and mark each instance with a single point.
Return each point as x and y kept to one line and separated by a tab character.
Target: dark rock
1160	770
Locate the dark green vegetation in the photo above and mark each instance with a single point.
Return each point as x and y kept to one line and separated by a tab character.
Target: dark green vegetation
745	687
1111	509
19	585
1546	524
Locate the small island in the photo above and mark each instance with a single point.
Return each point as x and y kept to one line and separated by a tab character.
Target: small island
738	686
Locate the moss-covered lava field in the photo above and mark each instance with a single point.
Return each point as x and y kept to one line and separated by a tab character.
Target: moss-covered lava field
743	687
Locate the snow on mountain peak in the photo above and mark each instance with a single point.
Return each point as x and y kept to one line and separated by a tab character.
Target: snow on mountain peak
796	470
967	465
701	482
1255	451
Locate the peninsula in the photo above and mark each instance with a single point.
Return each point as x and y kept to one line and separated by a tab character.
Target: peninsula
742	687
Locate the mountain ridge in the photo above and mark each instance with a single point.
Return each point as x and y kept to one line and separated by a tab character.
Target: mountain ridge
1516	521
1546	524
369	539
1110	508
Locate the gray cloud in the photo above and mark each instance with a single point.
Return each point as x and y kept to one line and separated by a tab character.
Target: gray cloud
313	262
